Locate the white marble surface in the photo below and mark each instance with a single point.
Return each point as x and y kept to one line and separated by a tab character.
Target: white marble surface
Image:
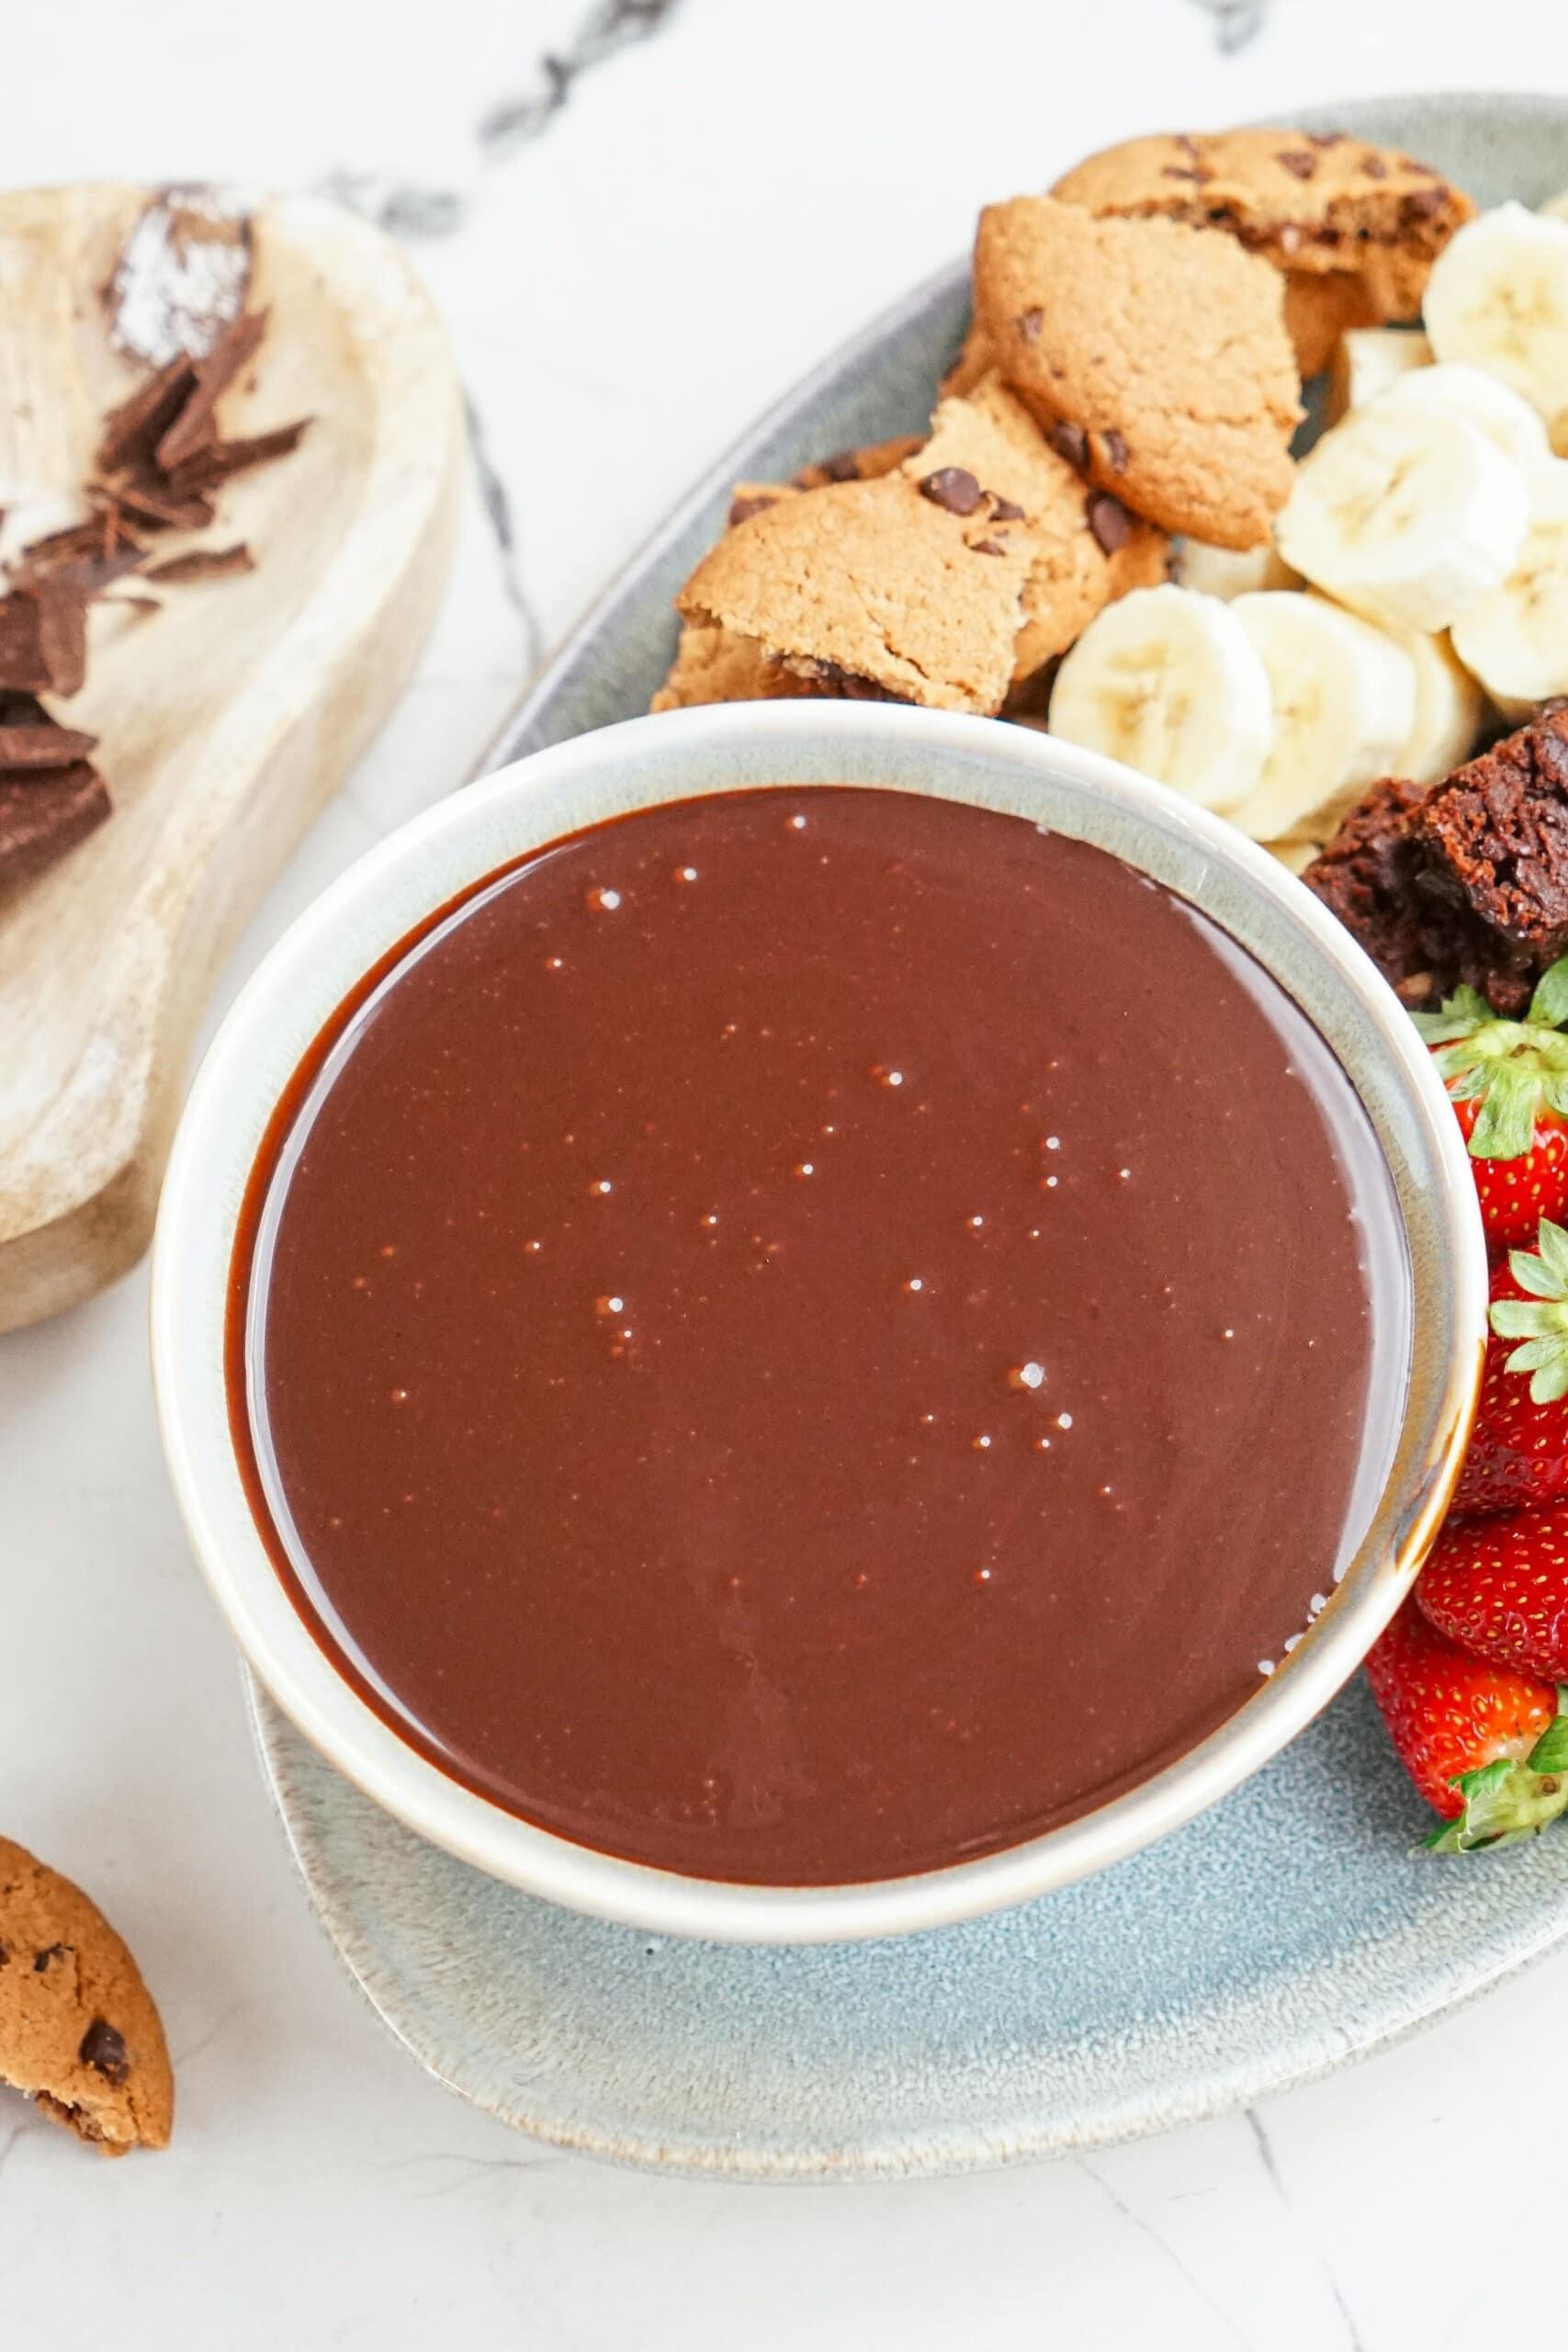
710	209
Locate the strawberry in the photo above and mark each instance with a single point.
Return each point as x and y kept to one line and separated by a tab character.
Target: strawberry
1488	1747
1508	1083
1499	1588
1518	1449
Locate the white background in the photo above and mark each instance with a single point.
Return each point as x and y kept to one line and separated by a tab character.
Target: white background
710	211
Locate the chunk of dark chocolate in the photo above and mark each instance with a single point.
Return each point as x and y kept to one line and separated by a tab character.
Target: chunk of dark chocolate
41	817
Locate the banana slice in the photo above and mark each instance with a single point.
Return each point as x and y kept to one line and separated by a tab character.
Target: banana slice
1498	296
1368	360
1493	407
1516	641
1449	708
1168	681
1232	572
1407	515
1344	707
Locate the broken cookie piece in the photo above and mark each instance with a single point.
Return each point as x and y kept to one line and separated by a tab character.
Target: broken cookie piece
1366	221
868	463
712	665
79	2033
900	587
1088	548
1163	347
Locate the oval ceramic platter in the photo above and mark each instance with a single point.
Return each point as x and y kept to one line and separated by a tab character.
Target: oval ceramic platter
1290	1927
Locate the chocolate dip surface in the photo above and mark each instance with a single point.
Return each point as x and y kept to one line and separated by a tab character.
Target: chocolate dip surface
803	1336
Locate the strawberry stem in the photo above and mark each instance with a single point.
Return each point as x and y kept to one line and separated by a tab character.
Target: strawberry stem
1514	1068
1513	1798
1541	1321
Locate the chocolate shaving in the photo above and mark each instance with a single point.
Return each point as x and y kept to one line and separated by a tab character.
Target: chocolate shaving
842	466
42	817
193	428
33	742
152	506
1326	139
43	641
1005	510
1373	167
1115	447
742	509
203	563
988	546
221	459
133	430
1297	160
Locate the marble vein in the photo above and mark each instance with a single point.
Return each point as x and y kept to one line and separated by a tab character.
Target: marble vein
1147	2229
496	505
1236	22
1271	2163
475	2165
415	210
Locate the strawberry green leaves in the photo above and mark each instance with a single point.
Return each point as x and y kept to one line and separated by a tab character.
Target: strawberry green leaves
1511	1798
1540	1321
1515	1069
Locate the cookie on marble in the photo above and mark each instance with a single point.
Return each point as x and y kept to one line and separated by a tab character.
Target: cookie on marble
79	2033
1086	547
1312	202
1163	346
905	589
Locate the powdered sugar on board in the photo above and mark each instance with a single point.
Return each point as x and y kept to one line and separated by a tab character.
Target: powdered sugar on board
182	276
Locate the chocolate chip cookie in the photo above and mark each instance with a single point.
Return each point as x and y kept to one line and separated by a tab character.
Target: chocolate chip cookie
78	2030
1318	205
906	589
1087	547
1161	349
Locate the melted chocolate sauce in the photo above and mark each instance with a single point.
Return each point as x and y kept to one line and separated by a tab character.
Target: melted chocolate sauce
805	1335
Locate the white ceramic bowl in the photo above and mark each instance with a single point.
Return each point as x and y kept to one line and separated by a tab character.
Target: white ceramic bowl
675	756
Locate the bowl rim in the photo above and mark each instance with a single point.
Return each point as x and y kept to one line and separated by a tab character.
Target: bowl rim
639	762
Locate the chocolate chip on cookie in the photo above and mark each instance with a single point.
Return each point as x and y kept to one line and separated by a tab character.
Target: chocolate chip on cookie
1164	345
78	2030
990	439
868	463
871	582
1317	205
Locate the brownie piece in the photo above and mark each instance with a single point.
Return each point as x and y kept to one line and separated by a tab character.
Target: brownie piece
1366	877
1466	883
1493	838
1375	877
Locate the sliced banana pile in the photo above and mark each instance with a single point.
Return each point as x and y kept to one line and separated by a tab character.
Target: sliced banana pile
1419	568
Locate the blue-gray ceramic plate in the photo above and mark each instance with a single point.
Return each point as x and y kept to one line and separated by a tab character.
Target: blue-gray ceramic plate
1289	1928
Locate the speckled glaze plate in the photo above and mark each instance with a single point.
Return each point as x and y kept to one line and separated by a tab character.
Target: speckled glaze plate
1287	1930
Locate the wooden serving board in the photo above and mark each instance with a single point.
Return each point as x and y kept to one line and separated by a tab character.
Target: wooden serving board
226	718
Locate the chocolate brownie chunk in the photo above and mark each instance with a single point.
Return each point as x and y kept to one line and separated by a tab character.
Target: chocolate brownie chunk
1366	877
1466	883
1496	837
